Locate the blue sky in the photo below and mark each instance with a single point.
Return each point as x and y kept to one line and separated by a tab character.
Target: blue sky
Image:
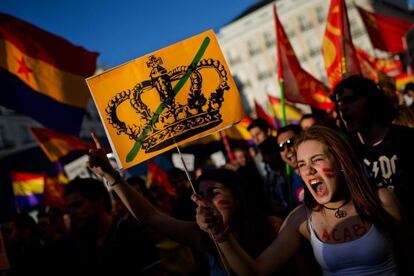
125	29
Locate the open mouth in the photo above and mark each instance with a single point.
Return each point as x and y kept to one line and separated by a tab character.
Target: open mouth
317	186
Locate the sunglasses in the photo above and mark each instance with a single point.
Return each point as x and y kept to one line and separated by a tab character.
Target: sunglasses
288	143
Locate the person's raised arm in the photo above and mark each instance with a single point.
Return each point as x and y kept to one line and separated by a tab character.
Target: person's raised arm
178	230
277	253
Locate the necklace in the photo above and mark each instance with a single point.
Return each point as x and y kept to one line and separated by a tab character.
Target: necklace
338	212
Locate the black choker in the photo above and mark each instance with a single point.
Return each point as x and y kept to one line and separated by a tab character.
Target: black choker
338	212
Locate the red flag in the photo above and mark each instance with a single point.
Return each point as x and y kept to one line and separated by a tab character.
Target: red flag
367	64
338	50
299	85
386	33
57	145
157	175
389	66
54	194
261	113
370	65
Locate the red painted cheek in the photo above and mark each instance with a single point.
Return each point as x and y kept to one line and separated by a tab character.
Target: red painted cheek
329	172
222	202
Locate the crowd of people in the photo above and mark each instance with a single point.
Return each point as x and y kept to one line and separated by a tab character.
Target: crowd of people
329	195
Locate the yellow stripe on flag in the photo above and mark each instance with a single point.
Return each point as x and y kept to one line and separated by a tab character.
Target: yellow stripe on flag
29	187
45	78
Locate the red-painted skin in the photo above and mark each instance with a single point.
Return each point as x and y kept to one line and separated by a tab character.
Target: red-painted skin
221	202
329	172
349	233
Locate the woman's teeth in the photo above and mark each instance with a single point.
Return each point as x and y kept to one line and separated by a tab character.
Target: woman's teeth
314	184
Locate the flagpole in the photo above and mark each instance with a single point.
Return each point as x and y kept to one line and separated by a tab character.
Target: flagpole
343	57
227	145
185	168
222	258
407	54
279	69
282	98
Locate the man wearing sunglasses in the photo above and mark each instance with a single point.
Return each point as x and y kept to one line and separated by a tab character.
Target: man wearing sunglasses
285	139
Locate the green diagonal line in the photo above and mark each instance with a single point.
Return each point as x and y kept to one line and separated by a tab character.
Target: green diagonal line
137	146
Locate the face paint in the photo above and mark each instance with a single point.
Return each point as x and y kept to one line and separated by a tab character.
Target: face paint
222	202
325	235
329	172
346	234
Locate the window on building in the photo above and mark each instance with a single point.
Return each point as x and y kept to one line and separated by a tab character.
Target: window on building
262	71
320	14
253	47
233	56
303	58
243	79
304	23
314	47
289	30
356	30
270	39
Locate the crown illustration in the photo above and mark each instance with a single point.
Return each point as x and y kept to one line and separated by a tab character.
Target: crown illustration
172	121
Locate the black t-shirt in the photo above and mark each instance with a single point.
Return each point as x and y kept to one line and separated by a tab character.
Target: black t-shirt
390	164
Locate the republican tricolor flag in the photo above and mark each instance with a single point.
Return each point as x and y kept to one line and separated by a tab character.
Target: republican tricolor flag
338	50
42	75
57	145
28	189
293	114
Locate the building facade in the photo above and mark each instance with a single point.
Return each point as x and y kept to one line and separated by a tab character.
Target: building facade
249	44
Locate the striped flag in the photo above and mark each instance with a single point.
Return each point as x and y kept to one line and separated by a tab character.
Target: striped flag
28	189
293	114
42	75
57	145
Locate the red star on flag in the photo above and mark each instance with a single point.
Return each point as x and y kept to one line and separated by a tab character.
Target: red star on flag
23	69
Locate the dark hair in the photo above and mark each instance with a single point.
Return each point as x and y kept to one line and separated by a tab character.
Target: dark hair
378	103
408	86
228	178
260	123
90	188
295	128
269	149
136	181
353	182
307	116
252	223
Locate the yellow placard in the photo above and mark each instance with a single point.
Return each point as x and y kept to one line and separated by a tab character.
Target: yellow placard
174	95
